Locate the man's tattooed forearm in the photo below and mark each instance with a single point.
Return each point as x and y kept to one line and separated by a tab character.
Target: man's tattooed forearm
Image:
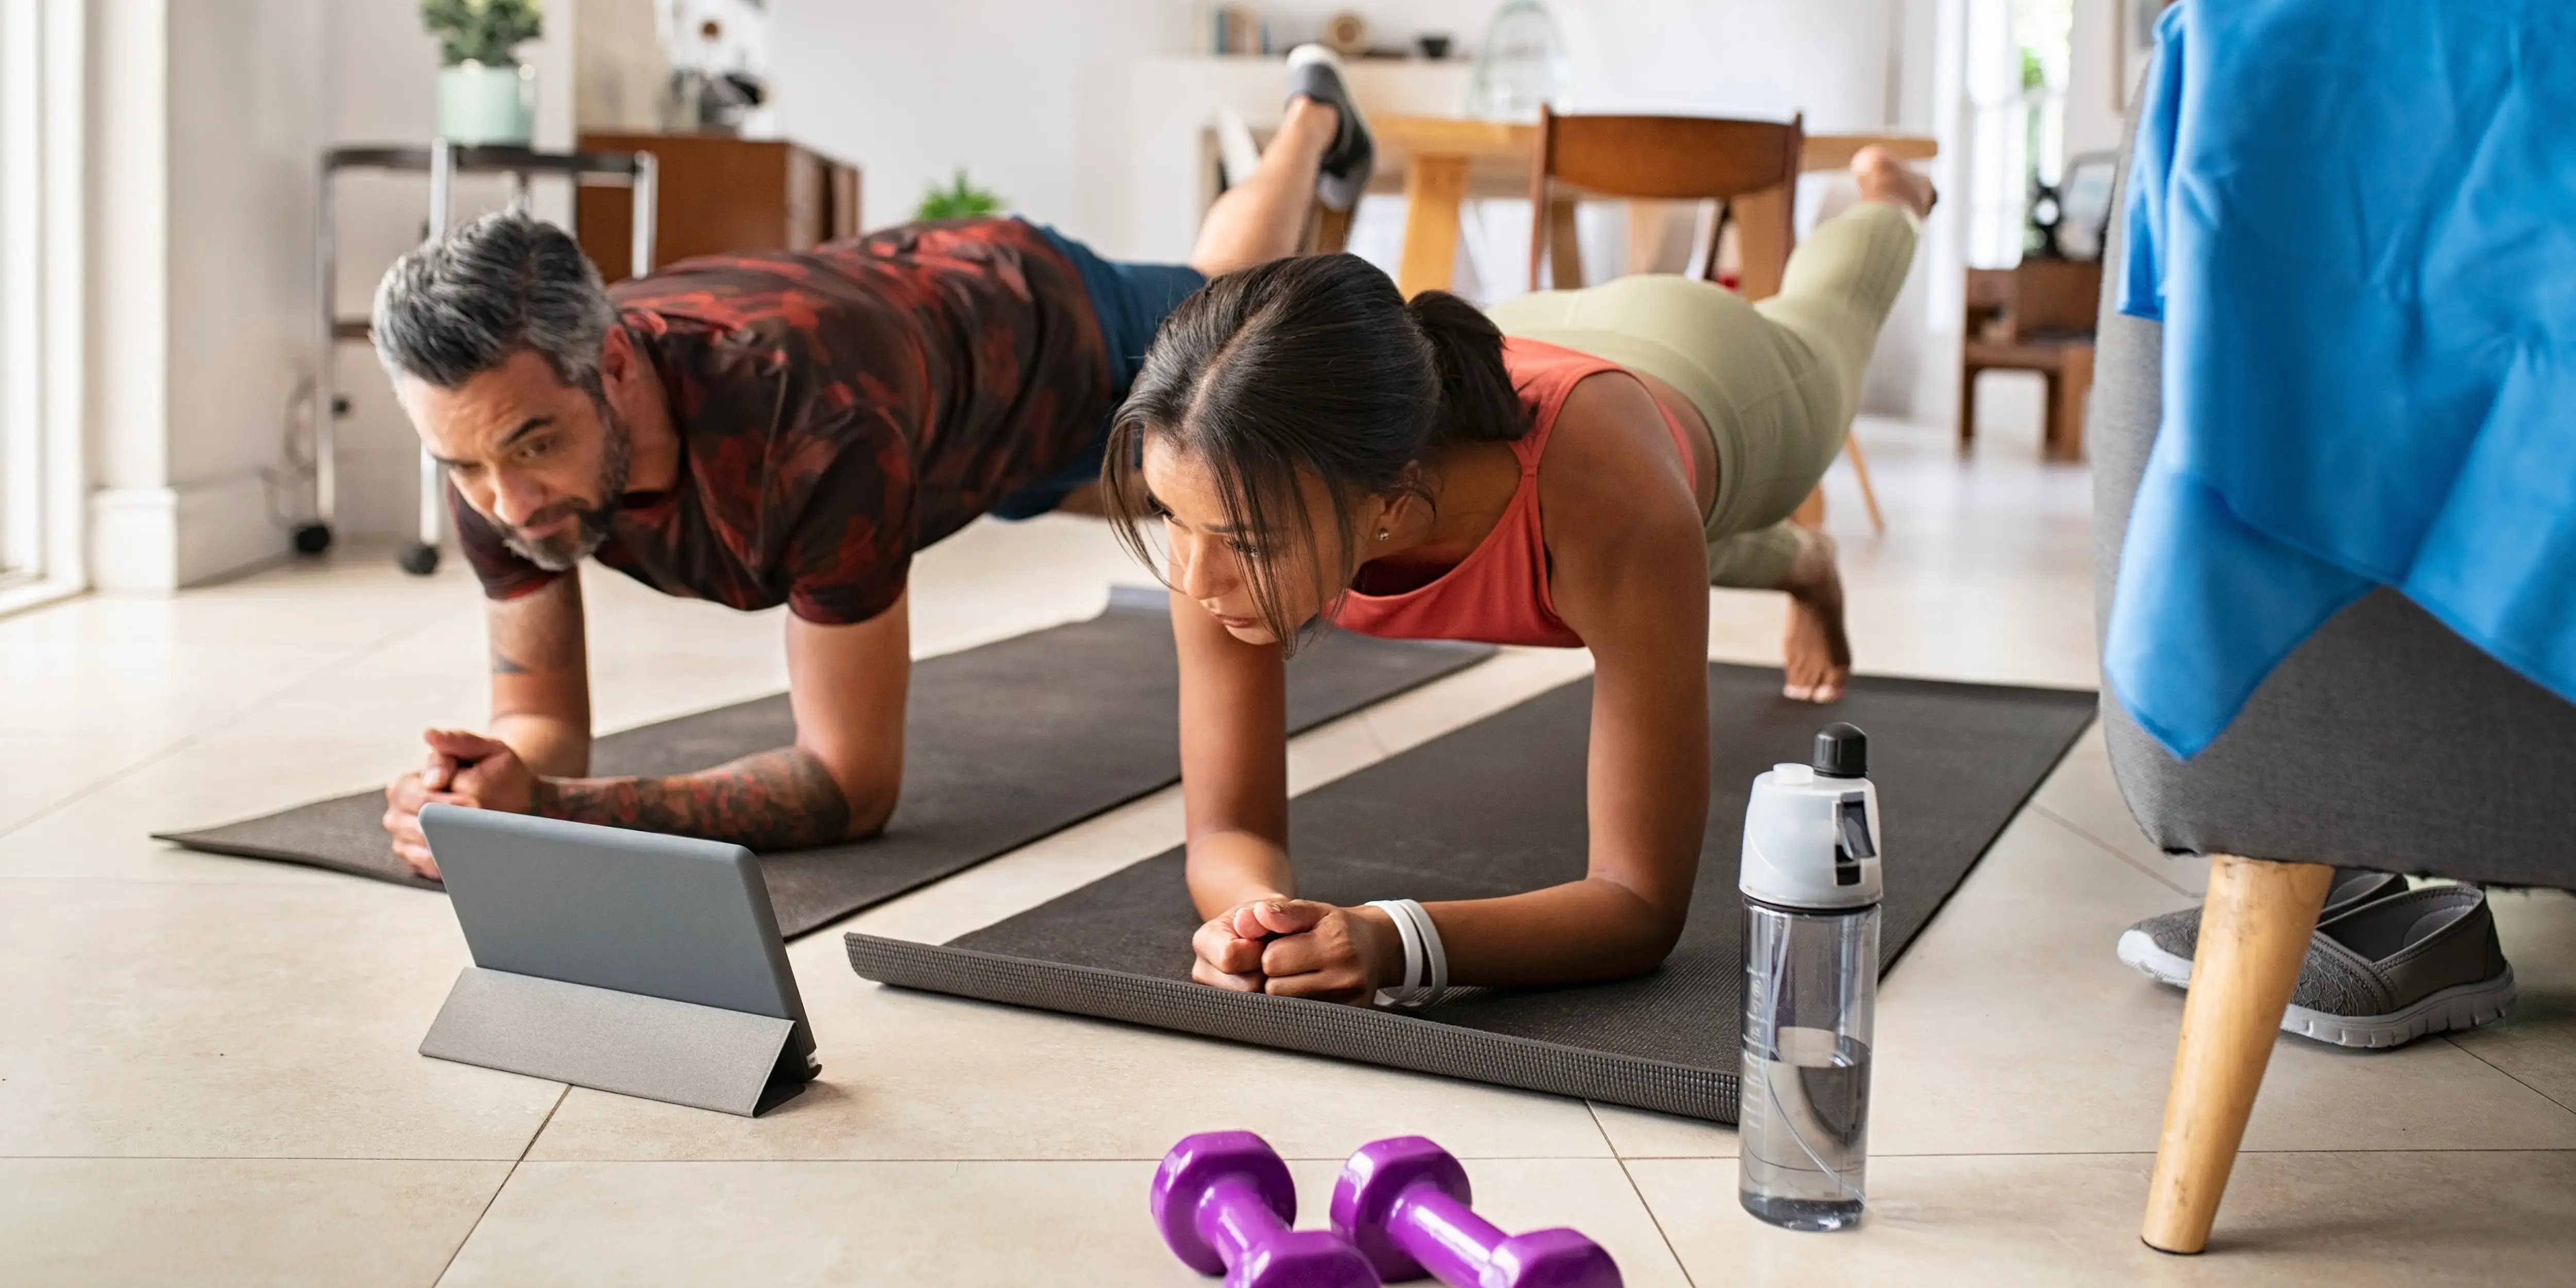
776	800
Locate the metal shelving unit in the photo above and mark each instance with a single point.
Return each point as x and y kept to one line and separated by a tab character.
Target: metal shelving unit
442	161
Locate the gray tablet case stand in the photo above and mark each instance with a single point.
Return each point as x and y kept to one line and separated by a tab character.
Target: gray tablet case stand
705	1057
624	961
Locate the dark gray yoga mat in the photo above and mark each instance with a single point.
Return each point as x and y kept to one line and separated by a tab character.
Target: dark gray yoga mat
1496	808
1003	744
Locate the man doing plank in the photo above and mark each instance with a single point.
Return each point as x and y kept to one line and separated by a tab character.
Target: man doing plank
773	428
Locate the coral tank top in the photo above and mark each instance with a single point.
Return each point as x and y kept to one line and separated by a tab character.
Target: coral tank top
1498	594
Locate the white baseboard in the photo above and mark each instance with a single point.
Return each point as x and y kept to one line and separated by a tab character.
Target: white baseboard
160	538
19	596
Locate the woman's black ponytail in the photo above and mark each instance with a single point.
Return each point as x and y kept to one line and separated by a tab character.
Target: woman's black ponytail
1477	400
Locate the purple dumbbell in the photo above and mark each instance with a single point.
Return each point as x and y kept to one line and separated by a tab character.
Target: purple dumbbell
1224	1203
1404	1204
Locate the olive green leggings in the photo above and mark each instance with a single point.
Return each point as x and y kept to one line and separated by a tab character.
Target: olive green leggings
1777	381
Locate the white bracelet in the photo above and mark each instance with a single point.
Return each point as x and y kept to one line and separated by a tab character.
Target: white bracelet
1426	959
1433	949
1415	958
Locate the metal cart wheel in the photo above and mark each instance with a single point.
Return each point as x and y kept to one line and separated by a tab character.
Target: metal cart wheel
418	559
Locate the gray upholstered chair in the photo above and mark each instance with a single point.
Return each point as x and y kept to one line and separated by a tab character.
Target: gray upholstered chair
2383	742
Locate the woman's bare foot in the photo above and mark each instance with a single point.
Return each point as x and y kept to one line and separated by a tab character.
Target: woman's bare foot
1815	655
1884	178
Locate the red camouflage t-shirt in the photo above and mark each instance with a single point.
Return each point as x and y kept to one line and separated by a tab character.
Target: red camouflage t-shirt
839	409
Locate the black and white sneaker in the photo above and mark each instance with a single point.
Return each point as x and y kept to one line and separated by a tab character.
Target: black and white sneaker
1316	72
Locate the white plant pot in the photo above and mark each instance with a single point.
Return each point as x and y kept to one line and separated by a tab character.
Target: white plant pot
487	104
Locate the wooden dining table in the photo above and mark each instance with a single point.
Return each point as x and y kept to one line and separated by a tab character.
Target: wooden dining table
1441	162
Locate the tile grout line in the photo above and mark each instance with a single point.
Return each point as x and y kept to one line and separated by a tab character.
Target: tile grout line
1292	1158
946	1161
2454	1040
459	1249
1631	1179
2113	850
2142	1153
186	741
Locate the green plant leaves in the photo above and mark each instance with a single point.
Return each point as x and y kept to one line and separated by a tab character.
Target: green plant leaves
482	31
958	199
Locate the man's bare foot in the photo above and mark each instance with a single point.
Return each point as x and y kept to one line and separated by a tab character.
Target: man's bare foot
1815	655
1884	178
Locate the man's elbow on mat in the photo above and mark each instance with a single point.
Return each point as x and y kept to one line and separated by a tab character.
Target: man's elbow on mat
868	795
869	805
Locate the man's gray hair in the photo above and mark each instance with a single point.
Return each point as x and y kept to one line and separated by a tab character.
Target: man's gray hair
459	305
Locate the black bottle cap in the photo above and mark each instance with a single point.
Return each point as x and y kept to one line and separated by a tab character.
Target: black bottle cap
1842	751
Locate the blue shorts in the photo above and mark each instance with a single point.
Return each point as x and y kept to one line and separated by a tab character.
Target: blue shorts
1131	301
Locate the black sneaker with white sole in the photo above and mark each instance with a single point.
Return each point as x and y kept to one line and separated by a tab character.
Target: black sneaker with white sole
2162	946
1316	72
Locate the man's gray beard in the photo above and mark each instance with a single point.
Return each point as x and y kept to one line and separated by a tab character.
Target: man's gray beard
613	466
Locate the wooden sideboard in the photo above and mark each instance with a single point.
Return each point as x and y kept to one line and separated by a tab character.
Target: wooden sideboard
717	194
2035	316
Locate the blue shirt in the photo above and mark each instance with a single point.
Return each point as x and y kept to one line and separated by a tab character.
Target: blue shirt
2357	223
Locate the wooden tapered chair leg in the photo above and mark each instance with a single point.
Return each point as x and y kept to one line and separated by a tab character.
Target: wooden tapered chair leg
2254	929
1810	512
1868	494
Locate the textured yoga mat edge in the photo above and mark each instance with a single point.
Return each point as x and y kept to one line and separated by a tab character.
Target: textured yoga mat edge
1298	1024
233	849
1962	760
1888	960
1006	742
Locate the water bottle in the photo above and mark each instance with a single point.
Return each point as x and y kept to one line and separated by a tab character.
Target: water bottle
1811	894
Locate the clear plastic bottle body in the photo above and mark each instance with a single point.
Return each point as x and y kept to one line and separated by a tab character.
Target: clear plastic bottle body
1810	985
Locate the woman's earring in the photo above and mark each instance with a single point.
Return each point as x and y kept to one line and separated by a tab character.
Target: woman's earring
1384	533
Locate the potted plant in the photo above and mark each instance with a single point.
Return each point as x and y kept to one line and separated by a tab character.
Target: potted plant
484	95
959	199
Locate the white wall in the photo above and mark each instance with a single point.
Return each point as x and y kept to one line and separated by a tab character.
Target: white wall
1028	96
1039	100
246	98
385	73
208	121
2093	89
1033	97
205	120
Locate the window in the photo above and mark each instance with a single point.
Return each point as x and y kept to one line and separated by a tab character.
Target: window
2018	56
40	319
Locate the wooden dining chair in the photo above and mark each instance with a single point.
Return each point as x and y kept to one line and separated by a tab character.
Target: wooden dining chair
1749	168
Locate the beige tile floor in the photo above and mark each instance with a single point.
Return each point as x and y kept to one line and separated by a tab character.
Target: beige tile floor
207	1072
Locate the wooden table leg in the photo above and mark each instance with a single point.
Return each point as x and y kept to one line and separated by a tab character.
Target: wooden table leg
2254	929
1434	187
1967	405
2053	406
2074	385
